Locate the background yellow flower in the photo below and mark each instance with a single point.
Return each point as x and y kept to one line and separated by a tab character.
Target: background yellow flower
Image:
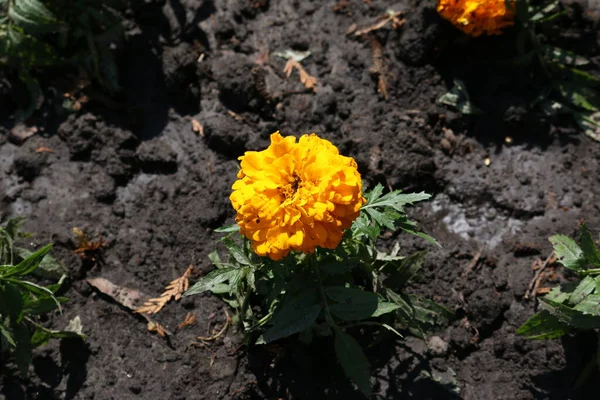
476	17
296	196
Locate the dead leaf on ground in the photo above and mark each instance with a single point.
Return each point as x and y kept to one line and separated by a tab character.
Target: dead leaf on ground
154	326
86	248
389	16
310	82
220	333
197	127
44	150
129	298
173	291
190	319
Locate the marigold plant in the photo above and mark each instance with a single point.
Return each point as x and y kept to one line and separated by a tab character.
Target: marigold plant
477	17
296	195
302	258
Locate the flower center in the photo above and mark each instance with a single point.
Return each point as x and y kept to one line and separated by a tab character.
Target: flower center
290	189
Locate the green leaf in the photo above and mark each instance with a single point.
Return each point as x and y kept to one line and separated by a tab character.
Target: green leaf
428	313
22	351
568	252
575	74
590	251
590	305
543	325
43	305
579	96
33	16
235	280
569	316
558	55
237	252
397	200
49	267
5	331
404	270
353	360
355	304
405	310
458	98
211	279
293	316
374	194
585	287
589	123
28	265
541	13
11	301
380	218
228	229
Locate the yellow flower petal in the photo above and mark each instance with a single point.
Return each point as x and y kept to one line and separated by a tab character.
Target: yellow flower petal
477	17
296	196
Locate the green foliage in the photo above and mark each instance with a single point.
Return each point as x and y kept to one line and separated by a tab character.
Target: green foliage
42	33
576	307
571	88
22	301
330	291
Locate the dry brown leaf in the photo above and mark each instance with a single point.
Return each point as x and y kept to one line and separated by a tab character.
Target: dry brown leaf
235	116
197	127
190	319
127	297
86	248
44	150
381	22
173	291
378	67
156	327
310	82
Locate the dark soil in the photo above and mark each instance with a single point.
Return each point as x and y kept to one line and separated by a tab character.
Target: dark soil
133	171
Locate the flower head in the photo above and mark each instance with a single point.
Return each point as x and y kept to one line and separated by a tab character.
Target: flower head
296	195
476	17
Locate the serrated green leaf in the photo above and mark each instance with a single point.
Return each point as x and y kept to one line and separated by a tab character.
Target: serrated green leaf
28	265
11	301
589	123
237	252
49	267
374	194
585	287
209	281
556	54
576	75
397	200
590	251
540	13
543	325
590	305
5	331
458	98
401	272
22	351
568	252
557	295
355	304
579	96
380	218
428	313
353	361
570	316
228	229
235	280
405	310
43	305
294	316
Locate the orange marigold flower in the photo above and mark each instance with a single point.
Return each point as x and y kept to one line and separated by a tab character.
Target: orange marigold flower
296	196
476	17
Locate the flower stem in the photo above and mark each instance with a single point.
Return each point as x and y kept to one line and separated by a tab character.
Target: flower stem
315	265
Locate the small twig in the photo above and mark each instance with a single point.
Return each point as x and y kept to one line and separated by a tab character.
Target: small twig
535	282
469	268
218	334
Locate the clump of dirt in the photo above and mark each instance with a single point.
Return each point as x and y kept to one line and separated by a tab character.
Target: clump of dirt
136	173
